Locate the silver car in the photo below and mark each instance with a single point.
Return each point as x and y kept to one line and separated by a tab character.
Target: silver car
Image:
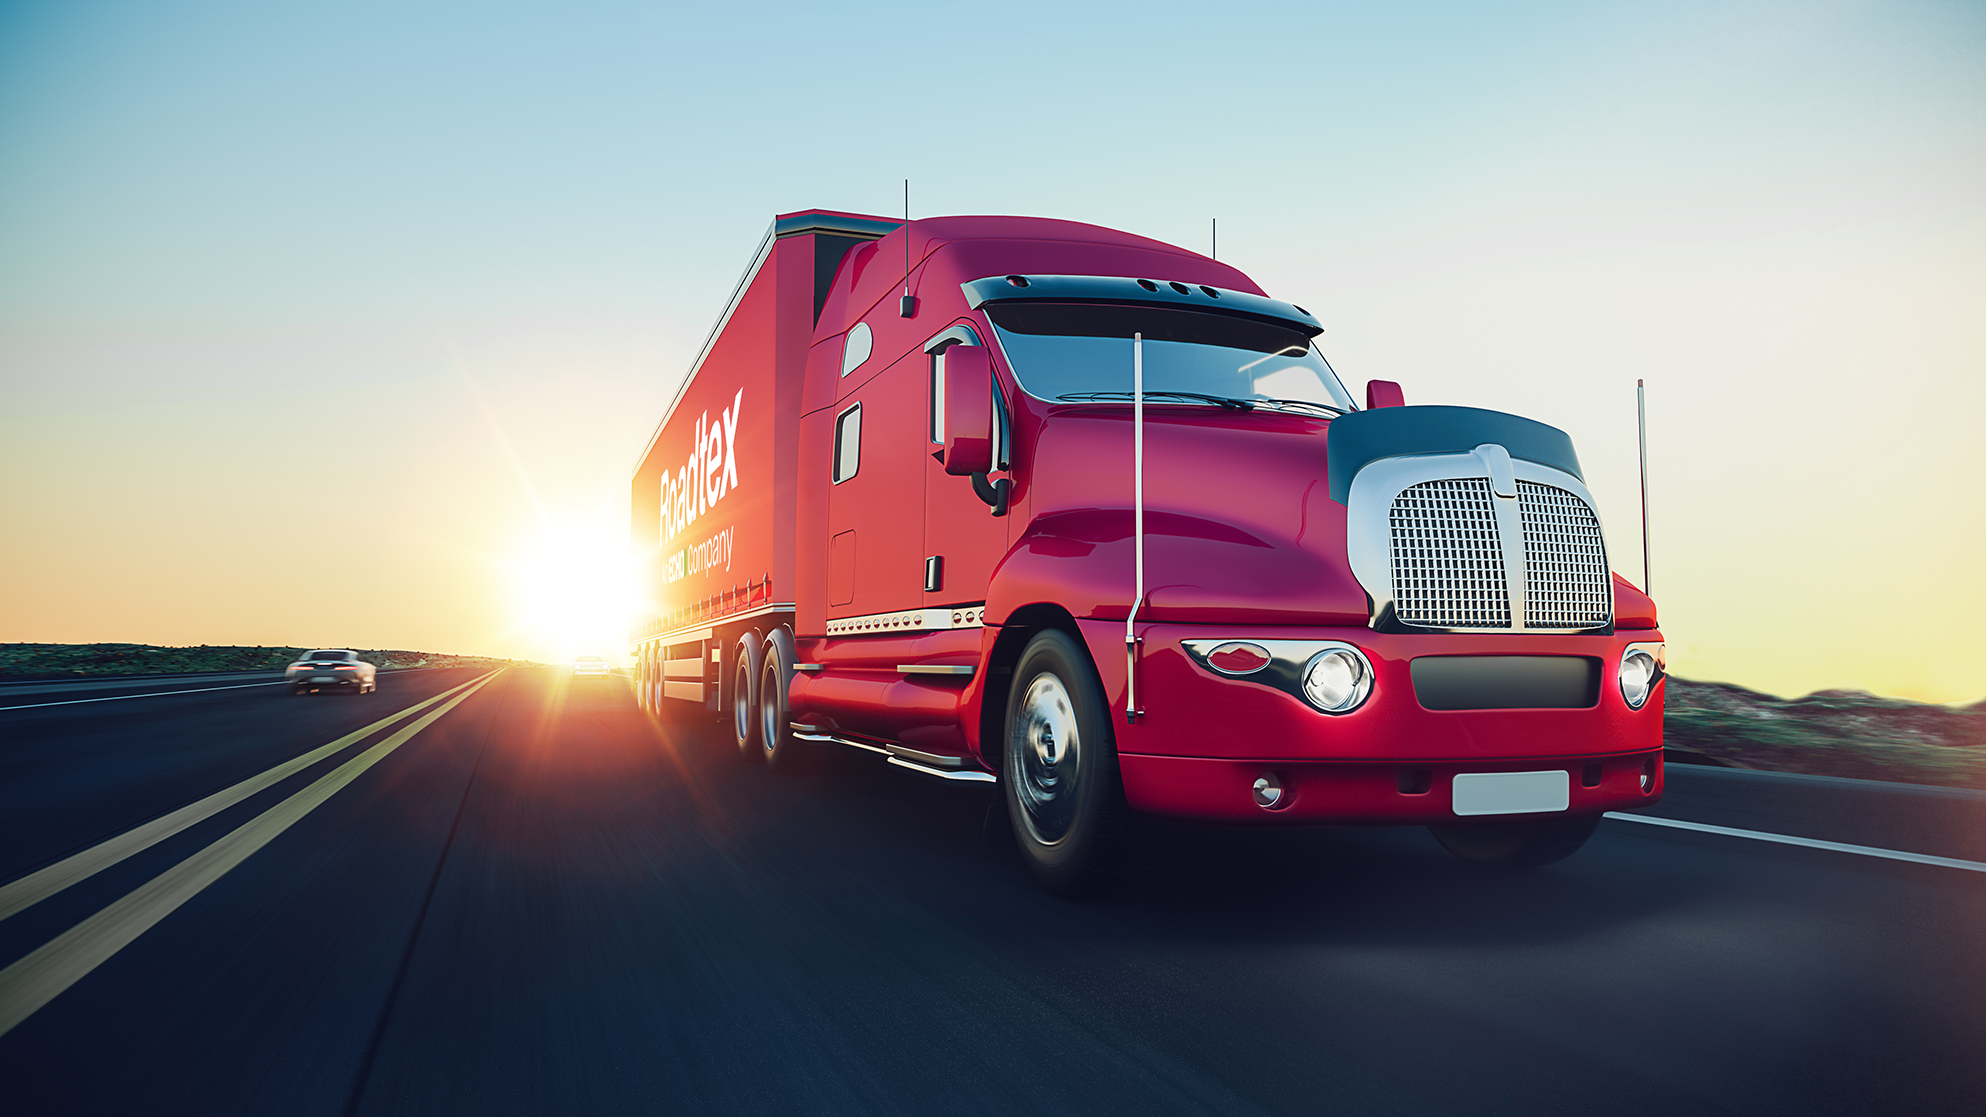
332	669
589	665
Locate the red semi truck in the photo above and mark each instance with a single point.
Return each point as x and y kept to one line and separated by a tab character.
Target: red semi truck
1088	516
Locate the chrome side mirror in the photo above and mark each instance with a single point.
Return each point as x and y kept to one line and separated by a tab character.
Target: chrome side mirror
968	410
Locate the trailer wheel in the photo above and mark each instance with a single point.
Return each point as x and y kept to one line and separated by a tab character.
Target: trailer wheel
744	696
1059	768
775	729
1519	844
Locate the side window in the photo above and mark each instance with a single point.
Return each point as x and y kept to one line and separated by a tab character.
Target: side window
847	443
856	348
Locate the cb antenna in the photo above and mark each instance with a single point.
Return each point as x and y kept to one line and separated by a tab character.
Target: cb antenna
1641	422
908	307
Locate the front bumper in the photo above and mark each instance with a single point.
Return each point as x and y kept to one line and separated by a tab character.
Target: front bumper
1203	739
1353	792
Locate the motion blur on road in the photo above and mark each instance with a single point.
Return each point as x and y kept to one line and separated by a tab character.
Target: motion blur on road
544	901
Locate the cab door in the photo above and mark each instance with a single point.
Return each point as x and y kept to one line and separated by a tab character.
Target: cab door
963	540
876	490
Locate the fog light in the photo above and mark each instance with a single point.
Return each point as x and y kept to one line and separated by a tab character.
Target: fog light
1641	667
1268	791
1337	679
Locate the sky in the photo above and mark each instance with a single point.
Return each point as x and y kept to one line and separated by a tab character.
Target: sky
344	324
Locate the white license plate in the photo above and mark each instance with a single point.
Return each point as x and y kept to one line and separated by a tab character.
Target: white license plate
323	679
1512	792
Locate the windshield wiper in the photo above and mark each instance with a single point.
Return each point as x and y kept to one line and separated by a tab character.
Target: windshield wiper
1282	403
1226	403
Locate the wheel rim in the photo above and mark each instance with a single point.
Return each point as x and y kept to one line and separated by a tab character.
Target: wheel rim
741	704
1044	759
769	726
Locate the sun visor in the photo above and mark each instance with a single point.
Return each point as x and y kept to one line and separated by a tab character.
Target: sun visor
1363	437
1139	292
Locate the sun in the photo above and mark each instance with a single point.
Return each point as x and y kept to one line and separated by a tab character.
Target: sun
573	589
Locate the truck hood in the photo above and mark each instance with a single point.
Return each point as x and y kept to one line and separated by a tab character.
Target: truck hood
1240	527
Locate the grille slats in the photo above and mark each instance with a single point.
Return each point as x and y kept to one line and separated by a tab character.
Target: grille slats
1566	584
1448	558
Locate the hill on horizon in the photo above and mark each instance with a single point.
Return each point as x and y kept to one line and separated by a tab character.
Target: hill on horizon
29	662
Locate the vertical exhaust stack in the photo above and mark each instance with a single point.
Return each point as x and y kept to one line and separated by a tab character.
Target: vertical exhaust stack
1131	710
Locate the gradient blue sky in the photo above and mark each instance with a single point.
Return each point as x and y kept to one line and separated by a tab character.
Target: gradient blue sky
465	250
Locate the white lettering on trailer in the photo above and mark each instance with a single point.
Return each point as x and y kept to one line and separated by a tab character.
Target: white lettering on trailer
709	555
707	476
731	441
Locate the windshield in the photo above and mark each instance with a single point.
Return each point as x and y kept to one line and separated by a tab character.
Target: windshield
1062	351
326	657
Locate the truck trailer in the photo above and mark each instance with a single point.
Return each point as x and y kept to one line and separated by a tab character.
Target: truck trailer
1089	517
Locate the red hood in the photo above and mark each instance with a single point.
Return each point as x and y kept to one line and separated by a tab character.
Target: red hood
1239	524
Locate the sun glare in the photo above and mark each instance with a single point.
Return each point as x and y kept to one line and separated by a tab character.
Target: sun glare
574	591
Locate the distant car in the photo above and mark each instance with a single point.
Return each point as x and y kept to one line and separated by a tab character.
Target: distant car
589	665
332	668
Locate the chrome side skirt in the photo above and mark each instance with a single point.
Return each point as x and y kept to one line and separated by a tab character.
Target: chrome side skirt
943	767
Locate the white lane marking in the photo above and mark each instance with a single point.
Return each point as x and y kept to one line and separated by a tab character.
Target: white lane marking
43	883
43	975
154	694
1810	843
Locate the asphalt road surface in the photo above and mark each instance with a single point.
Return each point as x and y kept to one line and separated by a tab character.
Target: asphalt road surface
528	897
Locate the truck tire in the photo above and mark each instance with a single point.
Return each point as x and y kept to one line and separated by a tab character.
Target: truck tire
744	695
775	728
1519	844
1059	764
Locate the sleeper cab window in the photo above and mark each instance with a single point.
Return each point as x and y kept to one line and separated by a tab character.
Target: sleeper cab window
856	348
847	443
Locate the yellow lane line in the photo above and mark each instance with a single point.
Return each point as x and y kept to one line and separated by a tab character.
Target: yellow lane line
42	976
43	883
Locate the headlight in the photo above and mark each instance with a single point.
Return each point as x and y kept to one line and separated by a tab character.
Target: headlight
1642	666
1337	679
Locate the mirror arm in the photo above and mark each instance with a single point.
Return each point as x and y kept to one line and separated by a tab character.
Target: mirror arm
994	493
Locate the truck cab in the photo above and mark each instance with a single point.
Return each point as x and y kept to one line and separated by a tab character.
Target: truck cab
1090	517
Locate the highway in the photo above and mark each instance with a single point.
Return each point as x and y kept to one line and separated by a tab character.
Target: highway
529	897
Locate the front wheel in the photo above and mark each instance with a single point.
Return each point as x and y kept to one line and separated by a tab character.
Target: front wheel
1516	844
1059	770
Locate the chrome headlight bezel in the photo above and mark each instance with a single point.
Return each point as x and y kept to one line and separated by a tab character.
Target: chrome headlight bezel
1637	686
1289	666
1344	657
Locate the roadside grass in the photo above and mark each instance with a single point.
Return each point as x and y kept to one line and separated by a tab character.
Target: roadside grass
1828	733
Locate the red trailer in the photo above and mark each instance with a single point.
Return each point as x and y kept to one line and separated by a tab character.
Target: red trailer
1090	517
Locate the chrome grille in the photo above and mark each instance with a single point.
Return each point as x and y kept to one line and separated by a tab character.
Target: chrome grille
1566	583
1447	557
